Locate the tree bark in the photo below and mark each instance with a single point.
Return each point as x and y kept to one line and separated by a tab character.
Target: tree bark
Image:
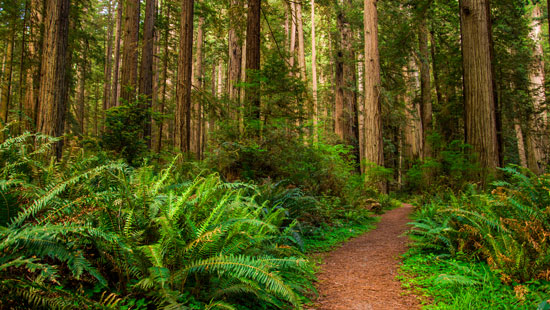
520	142
301	44
53	87
33	72
293	26
146	68
182	131
314	74
253	57
6	81
479	101
235	52
81	92
426	88
129	71
374	148
538	120
108	60
197	82
345	97
164	80
116	68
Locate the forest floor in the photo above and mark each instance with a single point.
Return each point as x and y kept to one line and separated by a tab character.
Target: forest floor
360	275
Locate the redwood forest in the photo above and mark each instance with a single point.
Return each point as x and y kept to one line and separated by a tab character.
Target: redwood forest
274	154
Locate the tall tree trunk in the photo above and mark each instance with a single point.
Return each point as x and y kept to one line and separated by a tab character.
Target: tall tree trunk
413	130
183	89
164	79
314	74
108	59
293	26
301	44
197	82
345	98
146	68
116	68
538	120
520	142
33	72
479	101
6	81
53	87
253	58
129	70
81	91
435	70
426	88
374	147
235	52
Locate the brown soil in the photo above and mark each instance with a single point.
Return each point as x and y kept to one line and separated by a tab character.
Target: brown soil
361	274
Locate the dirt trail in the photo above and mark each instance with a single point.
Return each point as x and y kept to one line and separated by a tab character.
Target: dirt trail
361	274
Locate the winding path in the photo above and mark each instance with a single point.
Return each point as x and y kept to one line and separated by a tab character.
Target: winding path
361	274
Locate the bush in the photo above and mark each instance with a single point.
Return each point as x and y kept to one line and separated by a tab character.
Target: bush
88	232
507	228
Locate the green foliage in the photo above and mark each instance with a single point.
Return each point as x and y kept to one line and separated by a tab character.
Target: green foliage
102	234
507	228
453	168
124	131
446	283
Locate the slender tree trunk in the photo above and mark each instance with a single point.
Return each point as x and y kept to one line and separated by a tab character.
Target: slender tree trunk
164	80
130	52
345	98
293	27
197	82
81	92
413	130
53	87
22	69
314	75
301	44
6	81
435	71
374	148
146	68
108	60
538	121
183	88
253	57
520	142
235	53
33	72
479	101
426	88
116	68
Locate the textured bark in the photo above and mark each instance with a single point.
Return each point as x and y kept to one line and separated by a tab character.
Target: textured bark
129	70
196	123
345	97
520	142
374	148
108	60
164	80
53	84
314	74
538	120
6	80
479	101
235	51
435	70
146	67
426	88
81	108
253	56
293	26
116	67
183	89
33	72
301	44
413	130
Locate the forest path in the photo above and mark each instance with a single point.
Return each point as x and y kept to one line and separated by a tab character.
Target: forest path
361	274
